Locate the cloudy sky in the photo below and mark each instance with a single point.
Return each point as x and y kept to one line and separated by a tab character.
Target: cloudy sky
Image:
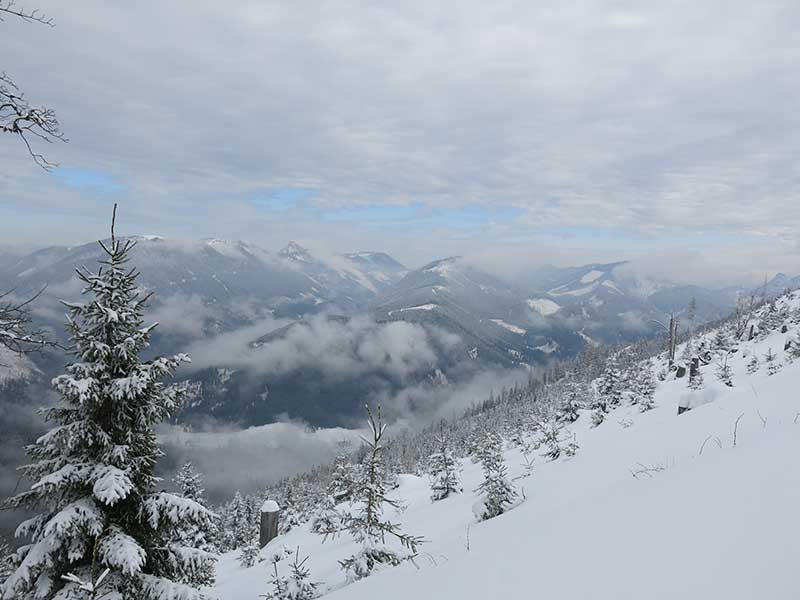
555	131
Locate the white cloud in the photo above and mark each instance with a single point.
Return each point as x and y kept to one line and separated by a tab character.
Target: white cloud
334	346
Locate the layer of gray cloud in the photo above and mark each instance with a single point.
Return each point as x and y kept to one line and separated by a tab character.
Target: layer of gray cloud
335	347
654	118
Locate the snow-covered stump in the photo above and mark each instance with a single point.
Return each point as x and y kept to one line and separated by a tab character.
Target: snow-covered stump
270	513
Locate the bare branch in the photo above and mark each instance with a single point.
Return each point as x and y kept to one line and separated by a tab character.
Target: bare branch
8	7
18	117
15	325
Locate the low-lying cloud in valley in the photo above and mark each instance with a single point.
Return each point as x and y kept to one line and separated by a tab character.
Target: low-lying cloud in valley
336	346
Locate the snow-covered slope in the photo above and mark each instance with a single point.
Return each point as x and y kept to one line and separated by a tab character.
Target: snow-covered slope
498	322
654	505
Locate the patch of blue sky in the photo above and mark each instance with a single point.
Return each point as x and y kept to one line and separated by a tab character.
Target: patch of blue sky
282	198
88	179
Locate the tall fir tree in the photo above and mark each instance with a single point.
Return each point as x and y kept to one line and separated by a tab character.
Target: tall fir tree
101	524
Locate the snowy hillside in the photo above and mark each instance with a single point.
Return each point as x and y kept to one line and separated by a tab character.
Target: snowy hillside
653	505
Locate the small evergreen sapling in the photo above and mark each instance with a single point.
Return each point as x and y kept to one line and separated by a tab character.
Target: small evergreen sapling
297	586
724	373
99	514
572	448
771	359
249	554
752	364
365	523
551	432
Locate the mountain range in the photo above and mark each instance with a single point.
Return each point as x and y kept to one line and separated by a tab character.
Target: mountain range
291	333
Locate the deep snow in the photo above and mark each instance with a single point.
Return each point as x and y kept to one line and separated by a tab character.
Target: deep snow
641	512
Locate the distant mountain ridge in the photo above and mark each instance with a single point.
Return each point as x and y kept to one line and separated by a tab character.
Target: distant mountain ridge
215	287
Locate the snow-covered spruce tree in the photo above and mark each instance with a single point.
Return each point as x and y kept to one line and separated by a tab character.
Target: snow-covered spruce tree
297	586
599	409
189	482
235	522
721	342
496	490
365	522
645	387
249	554
571	402
445	470
247	530
327	518
343	477
609	385
100	516
752	364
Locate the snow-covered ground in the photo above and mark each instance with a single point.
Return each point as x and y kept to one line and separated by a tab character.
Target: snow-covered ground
419	307
654	505
543	306
509	326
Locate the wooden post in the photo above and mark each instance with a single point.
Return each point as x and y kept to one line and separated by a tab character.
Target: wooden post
270	513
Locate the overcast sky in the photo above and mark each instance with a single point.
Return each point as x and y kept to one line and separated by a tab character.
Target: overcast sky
553	131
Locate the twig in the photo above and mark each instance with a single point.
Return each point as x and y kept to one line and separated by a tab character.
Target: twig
736	428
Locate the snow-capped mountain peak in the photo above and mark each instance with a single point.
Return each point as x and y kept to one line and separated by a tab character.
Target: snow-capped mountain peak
296	252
